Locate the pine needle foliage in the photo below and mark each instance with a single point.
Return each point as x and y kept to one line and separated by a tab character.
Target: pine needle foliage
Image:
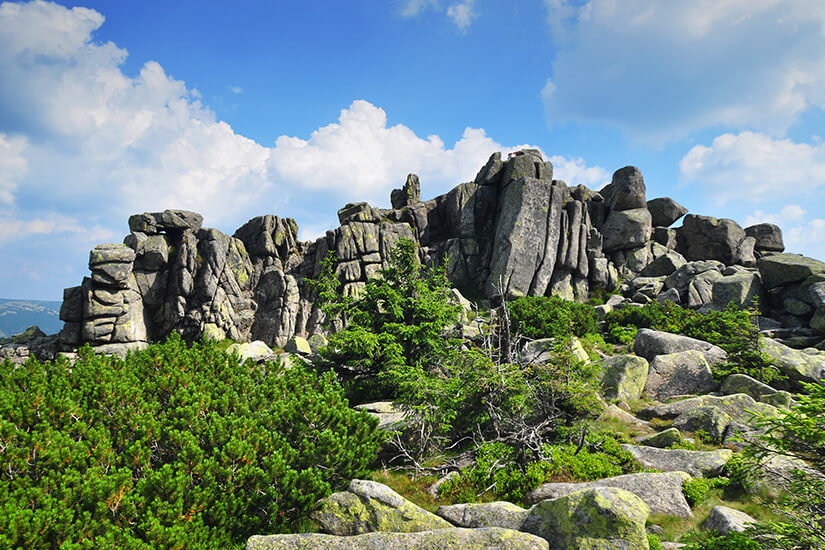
173	447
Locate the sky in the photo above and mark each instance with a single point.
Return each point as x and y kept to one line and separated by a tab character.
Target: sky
241	109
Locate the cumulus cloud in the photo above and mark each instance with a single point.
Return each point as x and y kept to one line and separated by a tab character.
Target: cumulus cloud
753	166
576	172
660	70
462	14
13	166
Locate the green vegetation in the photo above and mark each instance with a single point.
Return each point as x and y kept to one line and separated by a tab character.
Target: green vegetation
696	489
173	447
732	329
551	317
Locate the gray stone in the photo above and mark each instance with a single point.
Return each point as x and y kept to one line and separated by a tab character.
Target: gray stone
768	237
724	520
591	519
662	440
742	289
742	383
796	365
665	237
298	345
695	463
441	539
316	342
627	189
784	269
680	373
665	211
358	212
662	492
252	350
616	413
664	265
626	229
707	238
368	506
650	343
490	514
710	420
736	405
624	377
407	195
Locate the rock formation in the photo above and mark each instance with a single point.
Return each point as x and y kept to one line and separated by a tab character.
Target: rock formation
512	231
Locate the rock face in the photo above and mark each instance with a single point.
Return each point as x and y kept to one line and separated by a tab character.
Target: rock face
367	507
661	492
513	230
591	519
443	539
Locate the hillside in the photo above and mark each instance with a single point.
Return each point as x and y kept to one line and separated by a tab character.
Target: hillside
17	315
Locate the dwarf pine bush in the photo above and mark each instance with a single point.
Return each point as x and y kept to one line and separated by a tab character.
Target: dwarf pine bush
173	447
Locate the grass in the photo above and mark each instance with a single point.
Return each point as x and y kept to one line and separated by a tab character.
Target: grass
413	489
675	528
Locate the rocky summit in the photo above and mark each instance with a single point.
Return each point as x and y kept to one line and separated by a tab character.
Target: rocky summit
513	231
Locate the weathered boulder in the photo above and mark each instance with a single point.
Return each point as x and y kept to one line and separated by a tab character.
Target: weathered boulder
442	539
695	463
407	195
724	520
784	269
389	416
680	373
358	212
742	289
742	383
650	343
299	345
616	413
664	265
796	365
707	238
626	190
368	506
626	229
111	264
738	406
768	237
711	420
662	492
592	519
488	514
256	350
665	211
661	440
624	376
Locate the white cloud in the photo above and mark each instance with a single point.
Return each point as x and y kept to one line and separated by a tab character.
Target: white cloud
660	70
13	166
15	229
576	172
236	89
411	8
462	14
752	166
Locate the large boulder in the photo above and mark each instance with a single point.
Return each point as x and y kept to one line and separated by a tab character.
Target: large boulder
662	492
724	520
695	463
665	211
768	237
256	350
593	519
738	406
661	440
626	229
368	506
784	269
742	383
707	238
650	343
708	419
743	289
442	539
796	365
624	377
488	514
626	191
684	372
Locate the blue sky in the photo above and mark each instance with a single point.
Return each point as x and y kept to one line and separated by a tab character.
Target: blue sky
295	108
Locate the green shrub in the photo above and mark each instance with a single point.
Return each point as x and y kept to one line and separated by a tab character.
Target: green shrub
653	542
696	488
173	447
551	317
712	541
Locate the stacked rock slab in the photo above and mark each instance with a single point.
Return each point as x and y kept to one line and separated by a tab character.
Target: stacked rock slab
513	231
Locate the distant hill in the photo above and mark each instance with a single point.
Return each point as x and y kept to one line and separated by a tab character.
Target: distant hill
17	315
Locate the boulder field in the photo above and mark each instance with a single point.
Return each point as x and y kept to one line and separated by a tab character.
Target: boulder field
513	230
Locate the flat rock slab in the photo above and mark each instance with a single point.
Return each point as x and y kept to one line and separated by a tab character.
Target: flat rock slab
738	406
650	343
490	514
442	539
797	365
695	463
684	372
661	492
784	269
